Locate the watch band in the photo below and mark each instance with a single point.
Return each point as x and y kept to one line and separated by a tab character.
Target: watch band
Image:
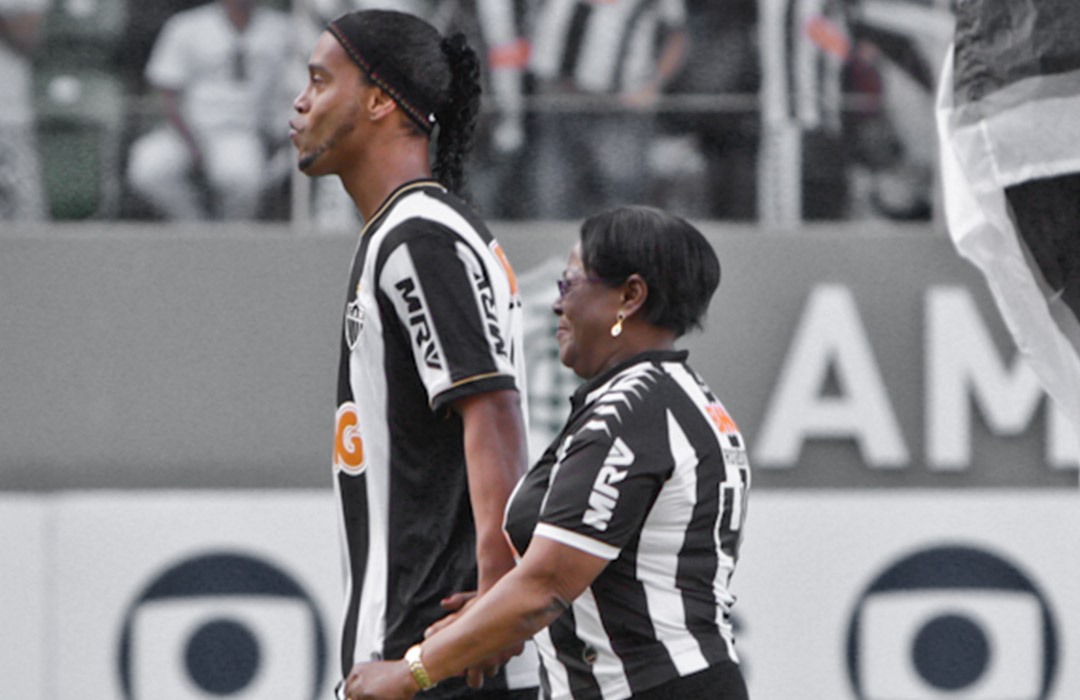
416	666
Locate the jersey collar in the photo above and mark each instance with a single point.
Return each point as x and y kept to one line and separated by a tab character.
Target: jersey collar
582	395
397	194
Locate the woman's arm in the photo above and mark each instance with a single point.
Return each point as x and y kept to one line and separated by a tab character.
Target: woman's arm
522	603
548	579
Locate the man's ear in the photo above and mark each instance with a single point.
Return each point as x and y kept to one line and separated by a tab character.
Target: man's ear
377	103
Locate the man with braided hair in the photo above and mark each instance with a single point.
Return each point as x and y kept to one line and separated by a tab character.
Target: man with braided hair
430	435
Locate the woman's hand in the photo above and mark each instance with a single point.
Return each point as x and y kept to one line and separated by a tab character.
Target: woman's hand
457	604
380	680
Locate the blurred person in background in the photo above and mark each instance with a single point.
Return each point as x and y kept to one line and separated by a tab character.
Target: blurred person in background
497	29
21	193
704	159
847	112
430	434
218	70
141	29
628	528
895	50
605	65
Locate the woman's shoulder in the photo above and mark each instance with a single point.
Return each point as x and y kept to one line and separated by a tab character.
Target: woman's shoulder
633	391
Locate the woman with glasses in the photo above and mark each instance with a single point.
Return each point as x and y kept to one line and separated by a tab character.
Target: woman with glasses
627	529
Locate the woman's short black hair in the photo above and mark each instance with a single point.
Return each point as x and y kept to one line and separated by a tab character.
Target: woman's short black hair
677	263
435	79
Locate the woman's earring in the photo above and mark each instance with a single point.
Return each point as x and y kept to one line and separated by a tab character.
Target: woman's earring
616	330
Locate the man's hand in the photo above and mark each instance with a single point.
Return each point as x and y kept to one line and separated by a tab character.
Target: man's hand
380	680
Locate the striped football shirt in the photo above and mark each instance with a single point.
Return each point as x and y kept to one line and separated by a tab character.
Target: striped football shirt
432	315
650	473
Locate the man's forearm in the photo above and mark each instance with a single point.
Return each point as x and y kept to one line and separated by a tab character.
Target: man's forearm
495	455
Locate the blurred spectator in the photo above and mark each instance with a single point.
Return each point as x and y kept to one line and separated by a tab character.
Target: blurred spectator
899	45
803	165
218	68
143	26
497	29
847	108
21	196
706	158
602	62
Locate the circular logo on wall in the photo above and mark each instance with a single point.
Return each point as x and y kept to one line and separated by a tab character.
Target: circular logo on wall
952	621
222	625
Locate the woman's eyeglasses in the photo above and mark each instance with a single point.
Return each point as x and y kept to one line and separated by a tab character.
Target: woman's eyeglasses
565	284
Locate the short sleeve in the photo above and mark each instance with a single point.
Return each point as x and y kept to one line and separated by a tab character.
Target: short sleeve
442	294
605	484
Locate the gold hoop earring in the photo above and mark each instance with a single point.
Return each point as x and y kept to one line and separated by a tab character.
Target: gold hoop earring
616	330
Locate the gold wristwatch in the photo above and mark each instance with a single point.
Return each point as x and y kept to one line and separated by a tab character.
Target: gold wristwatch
416	666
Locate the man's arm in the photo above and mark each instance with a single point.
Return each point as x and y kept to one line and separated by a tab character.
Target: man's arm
496	457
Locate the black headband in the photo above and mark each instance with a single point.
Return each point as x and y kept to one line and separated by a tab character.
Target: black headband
379	66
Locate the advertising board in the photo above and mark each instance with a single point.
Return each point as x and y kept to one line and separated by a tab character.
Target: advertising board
194	595
912	594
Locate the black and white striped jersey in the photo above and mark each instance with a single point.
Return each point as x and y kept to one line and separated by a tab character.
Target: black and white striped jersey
601	46
432	315
650	473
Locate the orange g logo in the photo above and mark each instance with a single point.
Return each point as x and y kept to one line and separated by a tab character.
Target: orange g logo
348	445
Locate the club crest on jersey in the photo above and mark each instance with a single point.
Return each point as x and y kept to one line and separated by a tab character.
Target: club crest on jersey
354	323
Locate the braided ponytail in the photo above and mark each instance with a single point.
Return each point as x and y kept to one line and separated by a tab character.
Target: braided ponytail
457	118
